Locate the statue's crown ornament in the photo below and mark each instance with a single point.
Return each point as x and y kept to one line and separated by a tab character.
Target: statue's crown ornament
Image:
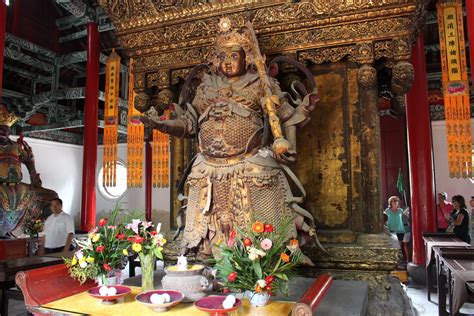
231	38
7	118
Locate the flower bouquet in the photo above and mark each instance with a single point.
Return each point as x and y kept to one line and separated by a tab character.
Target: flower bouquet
258	262
100	254
32	226
147	242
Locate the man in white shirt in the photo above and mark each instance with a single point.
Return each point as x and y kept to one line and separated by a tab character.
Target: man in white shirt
58	229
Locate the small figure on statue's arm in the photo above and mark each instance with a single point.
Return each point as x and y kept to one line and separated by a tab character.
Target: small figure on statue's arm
240	175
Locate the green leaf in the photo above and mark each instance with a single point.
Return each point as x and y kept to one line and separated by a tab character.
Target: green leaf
258	269
281	276
158	253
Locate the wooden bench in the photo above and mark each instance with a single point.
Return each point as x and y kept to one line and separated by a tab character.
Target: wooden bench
44	285
311	299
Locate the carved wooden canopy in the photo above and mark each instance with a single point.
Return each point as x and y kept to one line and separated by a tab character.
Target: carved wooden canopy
167	35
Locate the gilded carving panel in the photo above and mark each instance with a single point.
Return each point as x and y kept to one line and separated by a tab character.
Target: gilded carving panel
322	170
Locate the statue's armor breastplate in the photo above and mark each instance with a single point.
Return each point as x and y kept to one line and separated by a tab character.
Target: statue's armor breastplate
10	164
231	124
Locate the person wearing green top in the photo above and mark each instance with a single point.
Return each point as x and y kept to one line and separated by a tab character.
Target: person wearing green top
395	221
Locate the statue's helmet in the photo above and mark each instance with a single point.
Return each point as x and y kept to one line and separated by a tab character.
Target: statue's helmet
7	118
228	38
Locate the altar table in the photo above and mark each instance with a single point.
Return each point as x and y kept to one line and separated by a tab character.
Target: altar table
83	304
456	269
433	240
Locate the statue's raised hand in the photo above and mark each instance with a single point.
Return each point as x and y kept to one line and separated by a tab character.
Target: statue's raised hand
151	119
283	151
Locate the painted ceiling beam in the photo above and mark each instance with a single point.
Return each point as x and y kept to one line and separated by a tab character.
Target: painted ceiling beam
27	59
77	57
11	39
26	74
53	127
61	94
83	33
58	136
79	9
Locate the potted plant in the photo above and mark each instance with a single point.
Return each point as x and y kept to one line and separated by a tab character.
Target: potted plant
146	241
258	262
32	226
102	253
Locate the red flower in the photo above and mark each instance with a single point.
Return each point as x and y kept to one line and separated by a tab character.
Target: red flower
100	249
247	242
153	232
102	222
231	240
268	228
232	276
138	240
269	288
269	279
107	267
120	236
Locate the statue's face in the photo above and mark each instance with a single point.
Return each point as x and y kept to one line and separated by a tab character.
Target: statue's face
232	61
4	133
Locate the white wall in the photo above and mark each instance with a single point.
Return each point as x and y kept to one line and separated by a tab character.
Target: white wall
443	182
60	169
134	198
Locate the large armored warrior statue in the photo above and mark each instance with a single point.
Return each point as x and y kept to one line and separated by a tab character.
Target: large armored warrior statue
236	178
18	199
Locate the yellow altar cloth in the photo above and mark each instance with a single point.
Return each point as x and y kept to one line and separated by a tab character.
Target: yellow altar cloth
83	304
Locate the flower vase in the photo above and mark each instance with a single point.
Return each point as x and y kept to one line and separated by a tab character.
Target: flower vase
109	279
147	266
258	299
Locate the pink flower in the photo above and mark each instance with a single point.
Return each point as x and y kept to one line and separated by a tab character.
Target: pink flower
134	225
231	240
266	244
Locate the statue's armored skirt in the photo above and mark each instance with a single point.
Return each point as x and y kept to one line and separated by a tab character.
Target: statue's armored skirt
234	180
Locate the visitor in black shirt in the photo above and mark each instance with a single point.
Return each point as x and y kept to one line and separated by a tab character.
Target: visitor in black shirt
460	218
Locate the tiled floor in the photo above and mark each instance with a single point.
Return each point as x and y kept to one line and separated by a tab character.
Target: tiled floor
417	294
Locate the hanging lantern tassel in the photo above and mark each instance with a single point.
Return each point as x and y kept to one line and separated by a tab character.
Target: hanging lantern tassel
161	157
135	139
455	88
112	79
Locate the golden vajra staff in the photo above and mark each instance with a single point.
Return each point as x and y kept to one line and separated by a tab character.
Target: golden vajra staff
280	144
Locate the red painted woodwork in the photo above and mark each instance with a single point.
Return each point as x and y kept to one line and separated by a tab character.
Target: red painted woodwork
12	248
148	183
48	284
420	152
34	21
311	299
470	34
89	163
394	155
3	21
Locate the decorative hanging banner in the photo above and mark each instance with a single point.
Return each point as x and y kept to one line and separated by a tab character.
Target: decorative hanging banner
112	80
455	88
161	154
135	138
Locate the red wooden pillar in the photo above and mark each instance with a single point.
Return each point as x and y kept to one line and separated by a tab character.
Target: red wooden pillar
421	161
148	175
89	163
3	22
470	34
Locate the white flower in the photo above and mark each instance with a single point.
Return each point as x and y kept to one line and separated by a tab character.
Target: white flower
158	228
255	253
261	283
79	254
83	264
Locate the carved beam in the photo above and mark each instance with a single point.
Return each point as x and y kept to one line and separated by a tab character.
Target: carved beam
79	9
28	60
